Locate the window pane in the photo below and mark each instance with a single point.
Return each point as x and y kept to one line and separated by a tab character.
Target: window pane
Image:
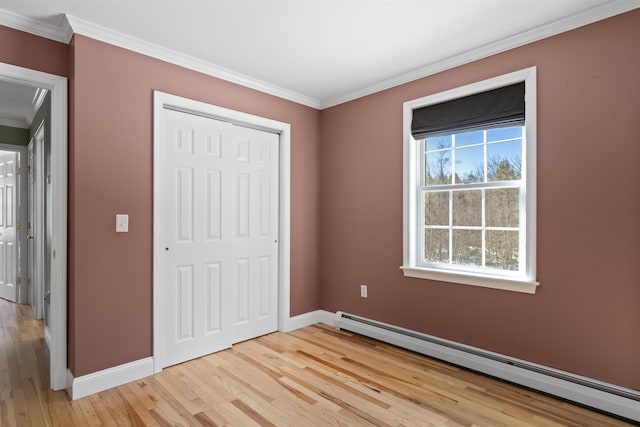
467	138
504	133
467	247
502	249
502	207
439	142
436	245
436	208
504	160
438	168
467	208
469	164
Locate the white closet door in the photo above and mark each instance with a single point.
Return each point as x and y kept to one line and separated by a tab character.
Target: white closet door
255	233
220	210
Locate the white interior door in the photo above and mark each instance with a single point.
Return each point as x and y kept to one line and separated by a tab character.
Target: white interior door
219	228
30	232
35	269
8	235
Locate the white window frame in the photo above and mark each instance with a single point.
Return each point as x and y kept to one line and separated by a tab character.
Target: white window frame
523	281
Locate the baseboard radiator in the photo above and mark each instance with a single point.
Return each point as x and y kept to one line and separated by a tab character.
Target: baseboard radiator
616	400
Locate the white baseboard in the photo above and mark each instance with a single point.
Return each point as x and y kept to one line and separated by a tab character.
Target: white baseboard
47	337
108	378
462	355
502	366
308	319
122	374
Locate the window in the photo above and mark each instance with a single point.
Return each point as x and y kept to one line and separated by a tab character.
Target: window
469	184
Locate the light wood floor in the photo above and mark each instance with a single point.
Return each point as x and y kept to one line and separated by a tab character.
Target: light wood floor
315	376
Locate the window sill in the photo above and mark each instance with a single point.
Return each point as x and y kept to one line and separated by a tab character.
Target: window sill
493	282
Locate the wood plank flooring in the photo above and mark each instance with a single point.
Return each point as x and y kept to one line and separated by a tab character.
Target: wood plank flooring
315	376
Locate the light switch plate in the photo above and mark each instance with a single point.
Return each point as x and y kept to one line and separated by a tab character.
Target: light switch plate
122	223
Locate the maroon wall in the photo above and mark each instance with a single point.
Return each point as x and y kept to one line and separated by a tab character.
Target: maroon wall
29	51
585	317
110	281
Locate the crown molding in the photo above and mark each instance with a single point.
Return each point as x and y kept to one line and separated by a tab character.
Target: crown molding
116	38
20	124
34	26
589	16
66	29
71	25
40	95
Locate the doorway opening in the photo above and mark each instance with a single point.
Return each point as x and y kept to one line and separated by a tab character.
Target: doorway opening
56	182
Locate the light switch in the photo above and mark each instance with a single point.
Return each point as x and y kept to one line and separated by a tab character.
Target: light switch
122	223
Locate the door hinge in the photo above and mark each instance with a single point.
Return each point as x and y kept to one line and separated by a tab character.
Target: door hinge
18	170
18	280
17	226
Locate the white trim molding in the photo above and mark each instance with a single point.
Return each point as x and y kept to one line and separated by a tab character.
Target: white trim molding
595	14
71	25
462	278
163	100
308	319
607	397
108	378
523	280
60	33
58	317
97	382
125	41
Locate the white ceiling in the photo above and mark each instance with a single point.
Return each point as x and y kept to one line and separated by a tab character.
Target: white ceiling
18	104
321	52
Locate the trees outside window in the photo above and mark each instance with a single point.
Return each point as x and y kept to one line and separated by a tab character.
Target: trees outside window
465	221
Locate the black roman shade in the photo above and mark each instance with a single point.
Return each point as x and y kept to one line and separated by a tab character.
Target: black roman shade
499	107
